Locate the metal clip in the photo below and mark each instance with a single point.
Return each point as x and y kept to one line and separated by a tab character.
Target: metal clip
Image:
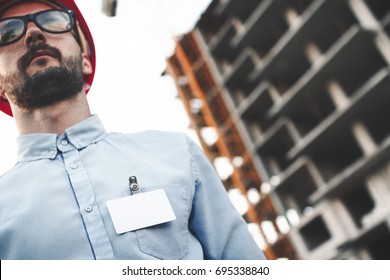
134	187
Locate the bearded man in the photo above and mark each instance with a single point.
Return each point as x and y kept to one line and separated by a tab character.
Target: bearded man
78	192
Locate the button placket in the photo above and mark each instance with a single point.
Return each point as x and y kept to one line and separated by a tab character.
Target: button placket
85	197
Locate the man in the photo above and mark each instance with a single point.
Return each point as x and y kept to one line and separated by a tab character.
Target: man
78	192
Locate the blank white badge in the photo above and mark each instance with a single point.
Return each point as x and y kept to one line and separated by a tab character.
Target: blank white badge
140	211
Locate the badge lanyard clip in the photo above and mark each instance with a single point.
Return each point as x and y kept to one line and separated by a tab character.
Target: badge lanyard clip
133	185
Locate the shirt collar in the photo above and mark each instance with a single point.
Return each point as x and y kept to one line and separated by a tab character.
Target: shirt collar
46	145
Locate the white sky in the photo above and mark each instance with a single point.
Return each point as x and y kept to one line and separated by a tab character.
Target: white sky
128	92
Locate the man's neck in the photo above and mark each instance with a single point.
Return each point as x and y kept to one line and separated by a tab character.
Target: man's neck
55	118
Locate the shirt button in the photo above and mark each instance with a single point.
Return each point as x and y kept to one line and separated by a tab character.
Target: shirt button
88	208
51	153
73	166
64	142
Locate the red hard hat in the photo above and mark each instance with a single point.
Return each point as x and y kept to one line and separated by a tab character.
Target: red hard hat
86	40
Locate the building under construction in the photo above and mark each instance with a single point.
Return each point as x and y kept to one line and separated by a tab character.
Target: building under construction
296	92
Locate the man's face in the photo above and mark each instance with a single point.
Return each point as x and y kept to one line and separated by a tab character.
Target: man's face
41	68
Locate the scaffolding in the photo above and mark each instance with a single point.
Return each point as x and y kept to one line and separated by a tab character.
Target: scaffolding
299	91
207	110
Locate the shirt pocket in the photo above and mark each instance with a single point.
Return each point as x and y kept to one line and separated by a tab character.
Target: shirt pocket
168	240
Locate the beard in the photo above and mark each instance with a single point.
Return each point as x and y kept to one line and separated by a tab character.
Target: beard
45	87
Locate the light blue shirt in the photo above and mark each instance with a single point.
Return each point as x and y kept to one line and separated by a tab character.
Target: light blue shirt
53	202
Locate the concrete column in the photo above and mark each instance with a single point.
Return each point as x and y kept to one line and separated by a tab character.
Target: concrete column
339	97
291	16
382	42
363	137
379	188
313	53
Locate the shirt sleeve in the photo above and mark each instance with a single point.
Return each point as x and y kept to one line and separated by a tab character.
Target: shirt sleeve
221	230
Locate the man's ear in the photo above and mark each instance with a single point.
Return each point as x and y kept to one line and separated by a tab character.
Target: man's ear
86	64
3	96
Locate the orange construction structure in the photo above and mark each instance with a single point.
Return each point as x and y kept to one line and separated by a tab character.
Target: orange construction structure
207	109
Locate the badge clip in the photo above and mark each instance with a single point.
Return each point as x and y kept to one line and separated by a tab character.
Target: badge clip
133	185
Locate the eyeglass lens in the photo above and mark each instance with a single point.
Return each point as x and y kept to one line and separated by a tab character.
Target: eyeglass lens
53	21
10	30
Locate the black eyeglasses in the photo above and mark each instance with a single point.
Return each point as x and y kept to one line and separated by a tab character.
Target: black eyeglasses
13	29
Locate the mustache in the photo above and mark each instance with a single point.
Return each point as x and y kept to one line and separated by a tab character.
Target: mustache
34	51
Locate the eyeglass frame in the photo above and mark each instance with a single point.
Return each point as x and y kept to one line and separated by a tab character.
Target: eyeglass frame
32	18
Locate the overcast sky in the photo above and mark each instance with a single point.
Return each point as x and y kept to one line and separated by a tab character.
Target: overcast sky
129	93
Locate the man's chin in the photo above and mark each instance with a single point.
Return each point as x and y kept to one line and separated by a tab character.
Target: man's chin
41	65
44	85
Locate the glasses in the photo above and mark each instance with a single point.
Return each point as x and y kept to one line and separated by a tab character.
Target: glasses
13	29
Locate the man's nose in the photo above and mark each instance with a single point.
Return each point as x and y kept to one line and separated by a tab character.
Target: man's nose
34	35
